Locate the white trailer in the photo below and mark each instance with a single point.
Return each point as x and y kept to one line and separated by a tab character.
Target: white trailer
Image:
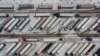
2	46
94	26
2	14
51	22
46	22
20	22
52	47
96	39
6	6
9	23
88	24
81	50
26	48
72	48
50	39
77	49
35	23
11	40
41	22
64	48
66	14
10	48
42	14
12	25
70	20
57	48
70	26
55	23
89	46
21	48
30	49
17	46
31	40
23	24
41	48
82	23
